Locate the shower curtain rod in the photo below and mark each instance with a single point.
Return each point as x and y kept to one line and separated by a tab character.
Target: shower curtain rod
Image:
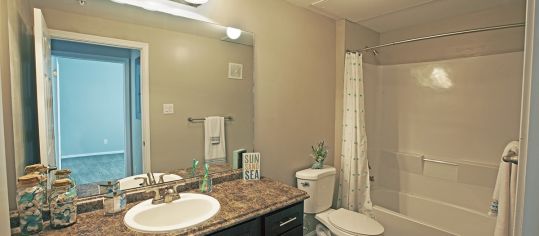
497	27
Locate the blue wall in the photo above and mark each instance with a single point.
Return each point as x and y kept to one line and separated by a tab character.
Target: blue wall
91	105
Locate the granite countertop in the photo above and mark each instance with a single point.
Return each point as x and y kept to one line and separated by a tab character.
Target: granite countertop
240	201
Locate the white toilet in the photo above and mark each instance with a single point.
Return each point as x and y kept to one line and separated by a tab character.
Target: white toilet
319	184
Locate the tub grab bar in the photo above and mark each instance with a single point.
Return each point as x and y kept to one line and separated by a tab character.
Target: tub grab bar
441	162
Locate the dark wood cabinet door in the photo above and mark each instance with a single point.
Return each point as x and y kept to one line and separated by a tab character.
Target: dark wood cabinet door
284	220
249	228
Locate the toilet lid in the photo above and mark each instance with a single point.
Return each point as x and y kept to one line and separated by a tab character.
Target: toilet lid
354	222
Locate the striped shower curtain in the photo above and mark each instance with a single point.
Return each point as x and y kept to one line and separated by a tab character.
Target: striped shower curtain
354	186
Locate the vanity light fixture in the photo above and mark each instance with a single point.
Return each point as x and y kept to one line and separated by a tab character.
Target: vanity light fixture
233	33
167	6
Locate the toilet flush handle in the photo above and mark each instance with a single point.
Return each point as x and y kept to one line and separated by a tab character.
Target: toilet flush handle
305	184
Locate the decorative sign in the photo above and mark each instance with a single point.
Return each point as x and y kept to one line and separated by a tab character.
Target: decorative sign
251	166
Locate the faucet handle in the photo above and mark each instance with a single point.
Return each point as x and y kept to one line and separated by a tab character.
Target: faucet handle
162	178
151	178
144	181
175	187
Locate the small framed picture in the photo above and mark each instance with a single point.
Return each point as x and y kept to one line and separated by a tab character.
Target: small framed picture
235	71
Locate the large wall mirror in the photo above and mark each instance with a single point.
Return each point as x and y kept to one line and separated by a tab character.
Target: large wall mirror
123	91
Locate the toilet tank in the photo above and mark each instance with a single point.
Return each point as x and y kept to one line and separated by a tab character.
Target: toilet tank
319	184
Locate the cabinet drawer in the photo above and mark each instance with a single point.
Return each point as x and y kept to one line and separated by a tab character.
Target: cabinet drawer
249	228
283	220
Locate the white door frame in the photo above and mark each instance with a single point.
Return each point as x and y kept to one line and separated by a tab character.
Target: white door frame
527	207
145	78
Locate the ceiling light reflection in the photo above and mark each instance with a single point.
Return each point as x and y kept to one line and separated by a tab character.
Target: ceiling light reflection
166	6
433	76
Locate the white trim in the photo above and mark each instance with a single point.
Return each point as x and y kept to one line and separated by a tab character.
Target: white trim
39	28
90	57
128	138
93	154
526	181
145	78
58	129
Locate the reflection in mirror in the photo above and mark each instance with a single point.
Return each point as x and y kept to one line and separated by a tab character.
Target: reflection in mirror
137	95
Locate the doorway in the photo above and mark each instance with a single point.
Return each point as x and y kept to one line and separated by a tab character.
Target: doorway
97	110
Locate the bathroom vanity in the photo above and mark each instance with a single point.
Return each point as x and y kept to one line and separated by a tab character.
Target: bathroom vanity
264	207
286	221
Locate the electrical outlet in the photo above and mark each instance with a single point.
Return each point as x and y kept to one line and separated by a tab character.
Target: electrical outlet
105	141
168	108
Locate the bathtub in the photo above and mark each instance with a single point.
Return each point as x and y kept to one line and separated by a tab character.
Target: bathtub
404	214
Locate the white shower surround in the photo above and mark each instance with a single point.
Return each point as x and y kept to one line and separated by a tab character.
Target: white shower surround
468	111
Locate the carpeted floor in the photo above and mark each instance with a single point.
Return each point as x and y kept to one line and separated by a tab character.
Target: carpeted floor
91	169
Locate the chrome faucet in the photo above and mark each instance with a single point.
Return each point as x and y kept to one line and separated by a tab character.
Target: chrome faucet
170	194
150	179
144	181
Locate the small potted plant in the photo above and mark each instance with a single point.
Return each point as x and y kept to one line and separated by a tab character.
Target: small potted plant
319	154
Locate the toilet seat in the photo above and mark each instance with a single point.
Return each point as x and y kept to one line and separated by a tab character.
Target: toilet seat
354	223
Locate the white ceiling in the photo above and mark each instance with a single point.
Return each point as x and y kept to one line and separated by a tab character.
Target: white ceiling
387	15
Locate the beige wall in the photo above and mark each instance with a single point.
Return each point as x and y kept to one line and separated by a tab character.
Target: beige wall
188	71
295	80
4	197
23	86
476	44
358	37
5	78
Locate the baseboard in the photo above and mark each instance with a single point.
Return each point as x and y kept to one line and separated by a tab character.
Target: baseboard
93	154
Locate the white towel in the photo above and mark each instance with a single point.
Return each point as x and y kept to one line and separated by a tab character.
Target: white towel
503	199
214	139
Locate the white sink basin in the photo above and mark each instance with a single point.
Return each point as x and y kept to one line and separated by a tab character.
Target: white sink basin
190	210
131	182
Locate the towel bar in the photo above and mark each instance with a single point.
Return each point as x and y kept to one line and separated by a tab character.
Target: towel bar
191	119
511	159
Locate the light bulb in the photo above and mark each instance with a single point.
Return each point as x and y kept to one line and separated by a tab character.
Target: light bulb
233	33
